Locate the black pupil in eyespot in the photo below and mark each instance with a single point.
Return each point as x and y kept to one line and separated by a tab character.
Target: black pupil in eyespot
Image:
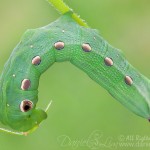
26	107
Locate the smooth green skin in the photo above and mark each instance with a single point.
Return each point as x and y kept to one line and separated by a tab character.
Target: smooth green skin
135	97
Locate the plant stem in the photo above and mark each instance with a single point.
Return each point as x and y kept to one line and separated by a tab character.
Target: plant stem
63	8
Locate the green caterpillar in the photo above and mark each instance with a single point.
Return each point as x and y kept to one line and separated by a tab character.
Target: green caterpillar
66	39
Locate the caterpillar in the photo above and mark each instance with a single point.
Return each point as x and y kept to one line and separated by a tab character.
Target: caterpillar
67	39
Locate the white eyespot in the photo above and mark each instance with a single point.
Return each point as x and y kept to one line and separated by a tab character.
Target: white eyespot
36	60
59	45
108	61
128	80
86	47
25	84
26	105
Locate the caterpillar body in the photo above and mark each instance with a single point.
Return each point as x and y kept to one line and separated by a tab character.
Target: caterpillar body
66	40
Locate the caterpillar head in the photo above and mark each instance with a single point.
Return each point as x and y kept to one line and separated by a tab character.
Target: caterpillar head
28	118
20	114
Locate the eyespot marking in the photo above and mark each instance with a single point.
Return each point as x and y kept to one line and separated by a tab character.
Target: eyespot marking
59	45
128	80
26	105
25	84
108	61
86	47
36	60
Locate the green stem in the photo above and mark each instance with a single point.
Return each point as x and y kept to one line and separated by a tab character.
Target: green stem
63	8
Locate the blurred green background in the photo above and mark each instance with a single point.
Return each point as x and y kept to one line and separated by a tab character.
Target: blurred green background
83	115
